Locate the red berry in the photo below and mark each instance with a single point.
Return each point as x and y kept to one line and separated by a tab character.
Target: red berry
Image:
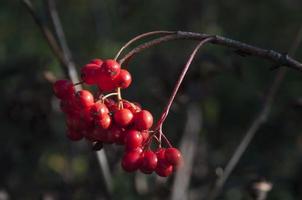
145	135
63	89
68	108
98	134
123	80
96	61
110	68
148	162
134	108
173	156
143	120
131	161
74	135
133	139
103	121
84	99
123	117
111	105
164	170
99	109
90	73
116	135
105	84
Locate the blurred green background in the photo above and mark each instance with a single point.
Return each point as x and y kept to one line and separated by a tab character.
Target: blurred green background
38	162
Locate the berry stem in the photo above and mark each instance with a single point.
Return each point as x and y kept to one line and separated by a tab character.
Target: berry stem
140	37
109	95
119	98
177	85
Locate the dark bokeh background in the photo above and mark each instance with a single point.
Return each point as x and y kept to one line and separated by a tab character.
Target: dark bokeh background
38	162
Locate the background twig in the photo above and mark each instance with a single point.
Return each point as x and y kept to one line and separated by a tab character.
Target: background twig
255	125
65	58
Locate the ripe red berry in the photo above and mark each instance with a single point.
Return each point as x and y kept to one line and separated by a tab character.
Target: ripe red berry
96	61
74	135
63	89
117	135
163	170
110	68
131	161
145	135
103	121
69	108
148	162
123	80
105	84
173	156
133	107
99	109
123	117
143	120
133	139
98	134
84	99
90	73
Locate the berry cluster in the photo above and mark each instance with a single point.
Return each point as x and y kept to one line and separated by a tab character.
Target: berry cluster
104	119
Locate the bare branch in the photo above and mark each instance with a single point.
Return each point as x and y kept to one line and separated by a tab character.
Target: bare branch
72	73
279	59
141	36
49	37
177	85
255	125
65	58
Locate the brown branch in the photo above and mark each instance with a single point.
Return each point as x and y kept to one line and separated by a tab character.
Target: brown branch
72	73
241	48
65	58
49	37
260	119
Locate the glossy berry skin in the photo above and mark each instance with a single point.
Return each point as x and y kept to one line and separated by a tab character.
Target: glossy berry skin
124	79
133	139
90	73
145	135
110	68
123	117
105	83
143	120
84	99
163	168
148	162
134	108
99	109
131	161
63	89
173	156
74	135
96	61
103	121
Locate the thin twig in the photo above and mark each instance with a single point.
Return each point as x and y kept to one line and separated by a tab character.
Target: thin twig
62	40
178	83
241	48
64	57
49	37
141	36
260	119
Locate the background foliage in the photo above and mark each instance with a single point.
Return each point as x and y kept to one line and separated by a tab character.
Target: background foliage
37	161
